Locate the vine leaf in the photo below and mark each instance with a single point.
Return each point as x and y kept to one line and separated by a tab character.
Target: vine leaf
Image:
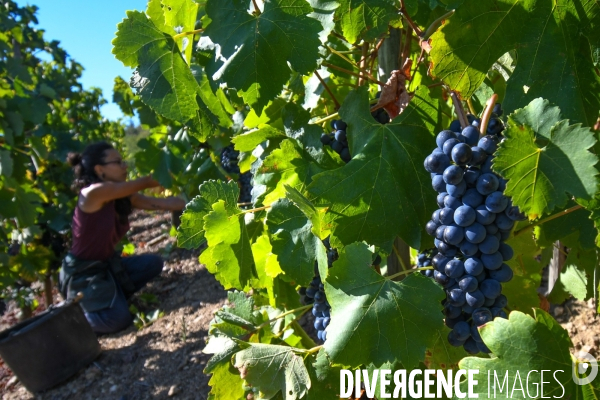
379	319
229	255
181	16
225	384
539	177
165	162
272	369
575	230
522	344
365	18
576	278
163	79
552	41
521	290
255	49
191	234
290	164
293	241
442	355
384	191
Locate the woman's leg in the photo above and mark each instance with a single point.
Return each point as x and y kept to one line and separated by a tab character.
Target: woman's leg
112	319
142	268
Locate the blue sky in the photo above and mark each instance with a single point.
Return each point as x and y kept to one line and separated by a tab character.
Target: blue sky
85	29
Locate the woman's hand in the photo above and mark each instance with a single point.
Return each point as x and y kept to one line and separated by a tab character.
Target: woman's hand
149	181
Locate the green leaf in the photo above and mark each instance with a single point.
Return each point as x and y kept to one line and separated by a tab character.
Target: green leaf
323	11
522	344
229	255
521	291
379	319
166	161
163	79
538	177
293	241
541	116
366	19
223	348
384	191
257	48
6	163
272	369
190	234
291	165
575	229
552	42
306	207
225	385
576	278
442	355
267	265
181	14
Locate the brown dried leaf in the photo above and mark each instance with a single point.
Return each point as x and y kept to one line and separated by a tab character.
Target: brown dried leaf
394	96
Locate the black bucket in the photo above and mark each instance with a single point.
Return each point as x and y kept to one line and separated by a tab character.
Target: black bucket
47	349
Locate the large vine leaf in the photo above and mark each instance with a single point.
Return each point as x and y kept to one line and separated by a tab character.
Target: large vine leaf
163	79
365	18
379	319
272	369
552	41
166	161
290	164
255	49
190	234
575	229
293	241
539	177
384	191
522	344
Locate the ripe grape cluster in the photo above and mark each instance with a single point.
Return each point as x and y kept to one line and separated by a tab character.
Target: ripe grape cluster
315	294
337	139
229	162
473	221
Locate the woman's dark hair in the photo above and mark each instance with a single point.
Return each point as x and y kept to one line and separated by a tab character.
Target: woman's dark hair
83	165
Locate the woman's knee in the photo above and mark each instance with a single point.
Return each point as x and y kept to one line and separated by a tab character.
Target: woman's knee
110	320
156	264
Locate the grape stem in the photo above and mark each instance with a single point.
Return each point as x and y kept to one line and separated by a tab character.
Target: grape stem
487	113
408	19
327	118
460	111
408	272
337	104
256	209
550	218
256	9
309	351
182	34
285	314
362	65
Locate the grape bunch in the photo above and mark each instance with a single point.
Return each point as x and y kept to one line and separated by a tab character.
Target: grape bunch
337	139
229	162
473	221
495	125
315	294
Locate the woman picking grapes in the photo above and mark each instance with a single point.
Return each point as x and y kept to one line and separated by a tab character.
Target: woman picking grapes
100	221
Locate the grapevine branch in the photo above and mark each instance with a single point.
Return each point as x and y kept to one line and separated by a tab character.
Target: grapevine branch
337	104
354	73
435	25
408	19
550	218
363	63
460	111
256	9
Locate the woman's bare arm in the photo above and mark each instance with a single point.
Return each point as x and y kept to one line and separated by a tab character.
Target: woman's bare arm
94	196
154	203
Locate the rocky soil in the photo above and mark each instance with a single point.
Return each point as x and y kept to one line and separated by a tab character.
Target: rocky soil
165	360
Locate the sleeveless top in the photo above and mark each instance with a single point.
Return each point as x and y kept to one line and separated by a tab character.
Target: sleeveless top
96	234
